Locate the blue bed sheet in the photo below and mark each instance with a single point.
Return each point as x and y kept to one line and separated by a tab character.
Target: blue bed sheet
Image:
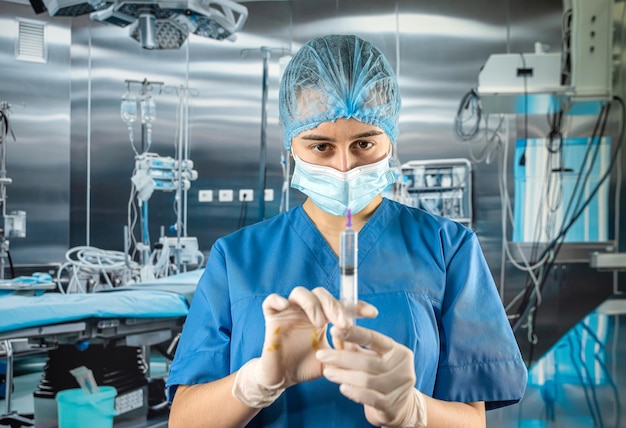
163	298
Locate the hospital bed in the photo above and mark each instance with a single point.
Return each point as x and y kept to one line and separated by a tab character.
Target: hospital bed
137	316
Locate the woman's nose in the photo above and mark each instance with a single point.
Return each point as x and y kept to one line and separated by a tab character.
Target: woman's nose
344	161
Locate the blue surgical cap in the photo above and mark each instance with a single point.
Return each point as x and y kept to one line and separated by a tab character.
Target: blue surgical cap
334	77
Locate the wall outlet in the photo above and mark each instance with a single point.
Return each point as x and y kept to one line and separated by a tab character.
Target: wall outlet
225	195
246	195
205	195
268	195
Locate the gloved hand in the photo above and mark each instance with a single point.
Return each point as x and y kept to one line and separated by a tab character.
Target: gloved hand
295	328
380	374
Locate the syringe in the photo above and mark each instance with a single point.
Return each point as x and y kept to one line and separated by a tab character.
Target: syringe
348	260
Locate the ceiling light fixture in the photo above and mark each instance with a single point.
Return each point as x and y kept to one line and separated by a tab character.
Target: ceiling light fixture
160	24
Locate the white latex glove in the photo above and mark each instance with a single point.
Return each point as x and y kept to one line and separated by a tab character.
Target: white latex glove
295	328
380	375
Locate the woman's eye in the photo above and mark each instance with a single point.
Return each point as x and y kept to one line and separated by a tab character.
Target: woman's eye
364	144
320	147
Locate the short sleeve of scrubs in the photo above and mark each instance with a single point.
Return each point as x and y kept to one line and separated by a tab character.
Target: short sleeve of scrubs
478	349
203	354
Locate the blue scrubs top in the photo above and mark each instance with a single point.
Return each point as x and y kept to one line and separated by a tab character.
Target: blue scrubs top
426	275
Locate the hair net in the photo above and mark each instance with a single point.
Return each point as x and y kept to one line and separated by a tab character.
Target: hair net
338	76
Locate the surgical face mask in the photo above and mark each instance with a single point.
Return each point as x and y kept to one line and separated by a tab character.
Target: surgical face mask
335	191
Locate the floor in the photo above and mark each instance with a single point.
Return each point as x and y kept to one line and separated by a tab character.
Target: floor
580	381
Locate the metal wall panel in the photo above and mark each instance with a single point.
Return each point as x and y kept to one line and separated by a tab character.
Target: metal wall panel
39	161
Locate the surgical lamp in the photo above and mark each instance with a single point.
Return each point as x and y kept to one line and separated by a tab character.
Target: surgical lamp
160	24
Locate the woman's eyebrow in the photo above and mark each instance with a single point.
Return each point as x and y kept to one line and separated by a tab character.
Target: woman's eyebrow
371	133
315	137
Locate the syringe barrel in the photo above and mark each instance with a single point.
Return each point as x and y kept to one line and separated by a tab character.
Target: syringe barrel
348	255
348	261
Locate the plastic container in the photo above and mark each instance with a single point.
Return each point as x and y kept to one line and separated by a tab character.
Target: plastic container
78	410
46	413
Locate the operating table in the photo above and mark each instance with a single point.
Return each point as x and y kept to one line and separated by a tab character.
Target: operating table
140	315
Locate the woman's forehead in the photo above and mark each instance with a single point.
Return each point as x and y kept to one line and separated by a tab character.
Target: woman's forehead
346	127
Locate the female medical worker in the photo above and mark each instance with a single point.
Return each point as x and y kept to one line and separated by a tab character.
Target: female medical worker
435	347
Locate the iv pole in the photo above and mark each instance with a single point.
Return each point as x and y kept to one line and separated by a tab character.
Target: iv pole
266	53
146	141
14	224
143	213
182	155
10	416
4	180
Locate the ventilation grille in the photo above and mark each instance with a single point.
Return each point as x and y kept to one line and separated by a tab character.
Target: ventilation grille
30	41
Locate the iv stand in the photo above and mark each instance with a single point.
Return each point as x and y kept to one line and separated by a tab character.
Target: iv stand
266	53
182	155
146	86
10	416
4	180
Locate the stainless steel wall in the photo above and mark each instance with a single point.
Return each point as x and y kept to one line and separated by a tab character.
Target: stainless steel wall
39	161
436	48
72	166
